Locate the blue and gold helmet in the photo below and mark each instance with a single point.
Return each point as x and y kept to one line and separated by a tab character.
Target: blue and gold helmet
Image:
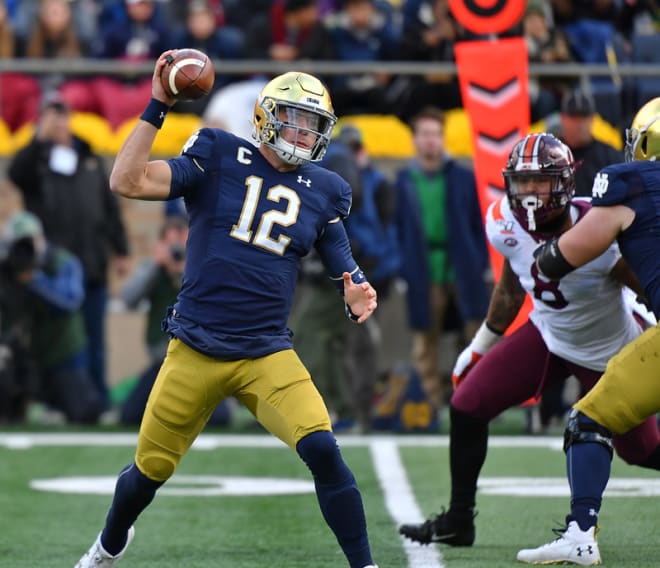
299	101
643	136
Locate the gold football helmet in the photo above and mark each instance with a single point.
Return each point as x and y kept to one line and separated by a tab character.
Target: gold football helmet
643	136
300	103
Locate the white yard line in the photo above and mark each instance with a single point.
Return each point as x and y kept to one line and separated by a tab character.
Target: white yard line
400	501
18	440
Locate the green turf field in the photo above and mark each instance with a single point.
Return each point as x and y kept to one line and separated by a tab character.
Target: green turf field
220	510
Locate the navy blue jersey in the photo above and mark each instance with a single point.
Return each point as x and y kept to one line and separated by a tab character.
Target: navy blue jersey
250	225
636	185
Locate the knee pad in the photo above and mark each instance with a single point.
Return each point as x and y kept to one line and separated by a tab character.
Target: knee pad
157	467
580	429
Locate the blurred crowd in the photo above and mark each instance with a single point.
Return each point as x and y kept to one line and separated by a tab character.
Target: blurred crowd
603	31
58	252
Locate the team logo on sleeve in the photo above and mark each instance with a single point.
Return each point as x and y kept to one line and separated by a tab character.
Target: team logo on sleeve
601	184
190	142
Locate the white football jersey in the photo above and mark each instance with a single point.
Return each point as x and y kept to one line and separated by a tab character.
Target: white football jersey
582	317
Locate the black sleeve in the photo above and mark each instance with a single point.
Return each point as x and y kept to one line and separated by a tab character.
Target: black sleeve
24	169
386	202
115	224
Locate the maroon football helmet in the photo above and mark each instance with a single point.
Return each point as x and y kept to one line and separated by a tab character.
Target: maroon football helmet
539	155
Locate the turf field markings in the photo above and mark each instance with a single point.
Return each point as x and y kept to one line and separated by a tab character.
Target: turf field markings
26	440
400	500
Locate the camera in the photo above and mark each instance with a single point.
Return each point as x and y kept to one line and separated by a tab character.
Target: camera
177	252
20	256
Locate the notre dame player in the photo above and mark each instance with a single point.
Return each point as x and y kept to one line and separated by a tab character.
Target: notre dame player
626	208
254	213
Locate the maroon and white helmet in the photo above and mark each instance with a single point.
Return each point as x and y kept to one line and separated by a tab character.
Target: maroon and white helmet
543	155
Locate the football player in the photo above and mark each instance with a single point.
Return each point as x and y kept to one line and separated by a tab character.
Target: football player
626	206
575	326
254	213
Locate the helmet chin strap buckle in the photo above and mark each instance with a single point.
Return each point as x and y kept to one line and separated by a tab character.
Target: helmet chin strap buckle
531	203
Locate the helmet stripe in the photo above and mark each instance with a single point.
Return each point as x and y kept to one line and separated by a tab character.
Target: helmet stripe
527	153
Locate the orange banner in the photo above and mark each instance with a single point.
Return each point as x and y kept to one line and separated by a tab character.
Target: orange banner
493	77
484	17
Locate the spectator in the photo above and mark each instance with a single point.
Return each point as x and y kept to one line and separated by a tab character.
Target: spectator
446	261
7	34
241	13
546	43
348	382
576	121
290	30
66	185
45	286
641	17
137	33
364	30
370	226
202	32
374	240
568	11
429	34
218	42
52	33
157	282
19	92
176	12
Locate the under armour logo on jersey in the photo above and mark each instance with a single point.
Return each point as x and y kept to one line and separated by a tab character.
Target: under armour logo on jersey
307	182
601	184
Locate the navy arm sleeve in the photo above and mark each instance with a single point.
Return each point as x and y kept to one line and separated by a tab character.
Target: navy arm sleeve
335	252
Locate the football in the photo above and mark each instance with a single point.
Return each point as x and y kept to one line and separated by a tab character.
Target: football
188	75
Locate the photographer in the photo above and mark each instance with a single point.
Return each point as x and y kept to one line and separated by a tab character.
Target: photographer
156	282
43	291
65	184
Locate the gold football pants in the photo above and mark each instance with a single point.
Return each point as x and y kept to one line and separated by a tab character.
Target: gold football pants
629	390
276	388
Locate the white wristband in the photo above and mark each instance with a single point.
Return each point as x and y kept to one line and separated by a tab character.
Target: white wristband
484	339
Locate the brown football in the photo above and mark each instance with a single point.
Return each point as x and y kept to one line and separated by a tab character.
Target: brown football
188	75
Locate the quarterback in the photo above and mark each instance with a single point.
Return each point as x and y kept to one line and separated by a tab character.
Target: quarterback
626	209
575	326
254	213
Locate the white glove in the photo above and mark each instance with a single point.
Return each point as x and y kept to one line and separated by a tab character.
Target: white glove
481	343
